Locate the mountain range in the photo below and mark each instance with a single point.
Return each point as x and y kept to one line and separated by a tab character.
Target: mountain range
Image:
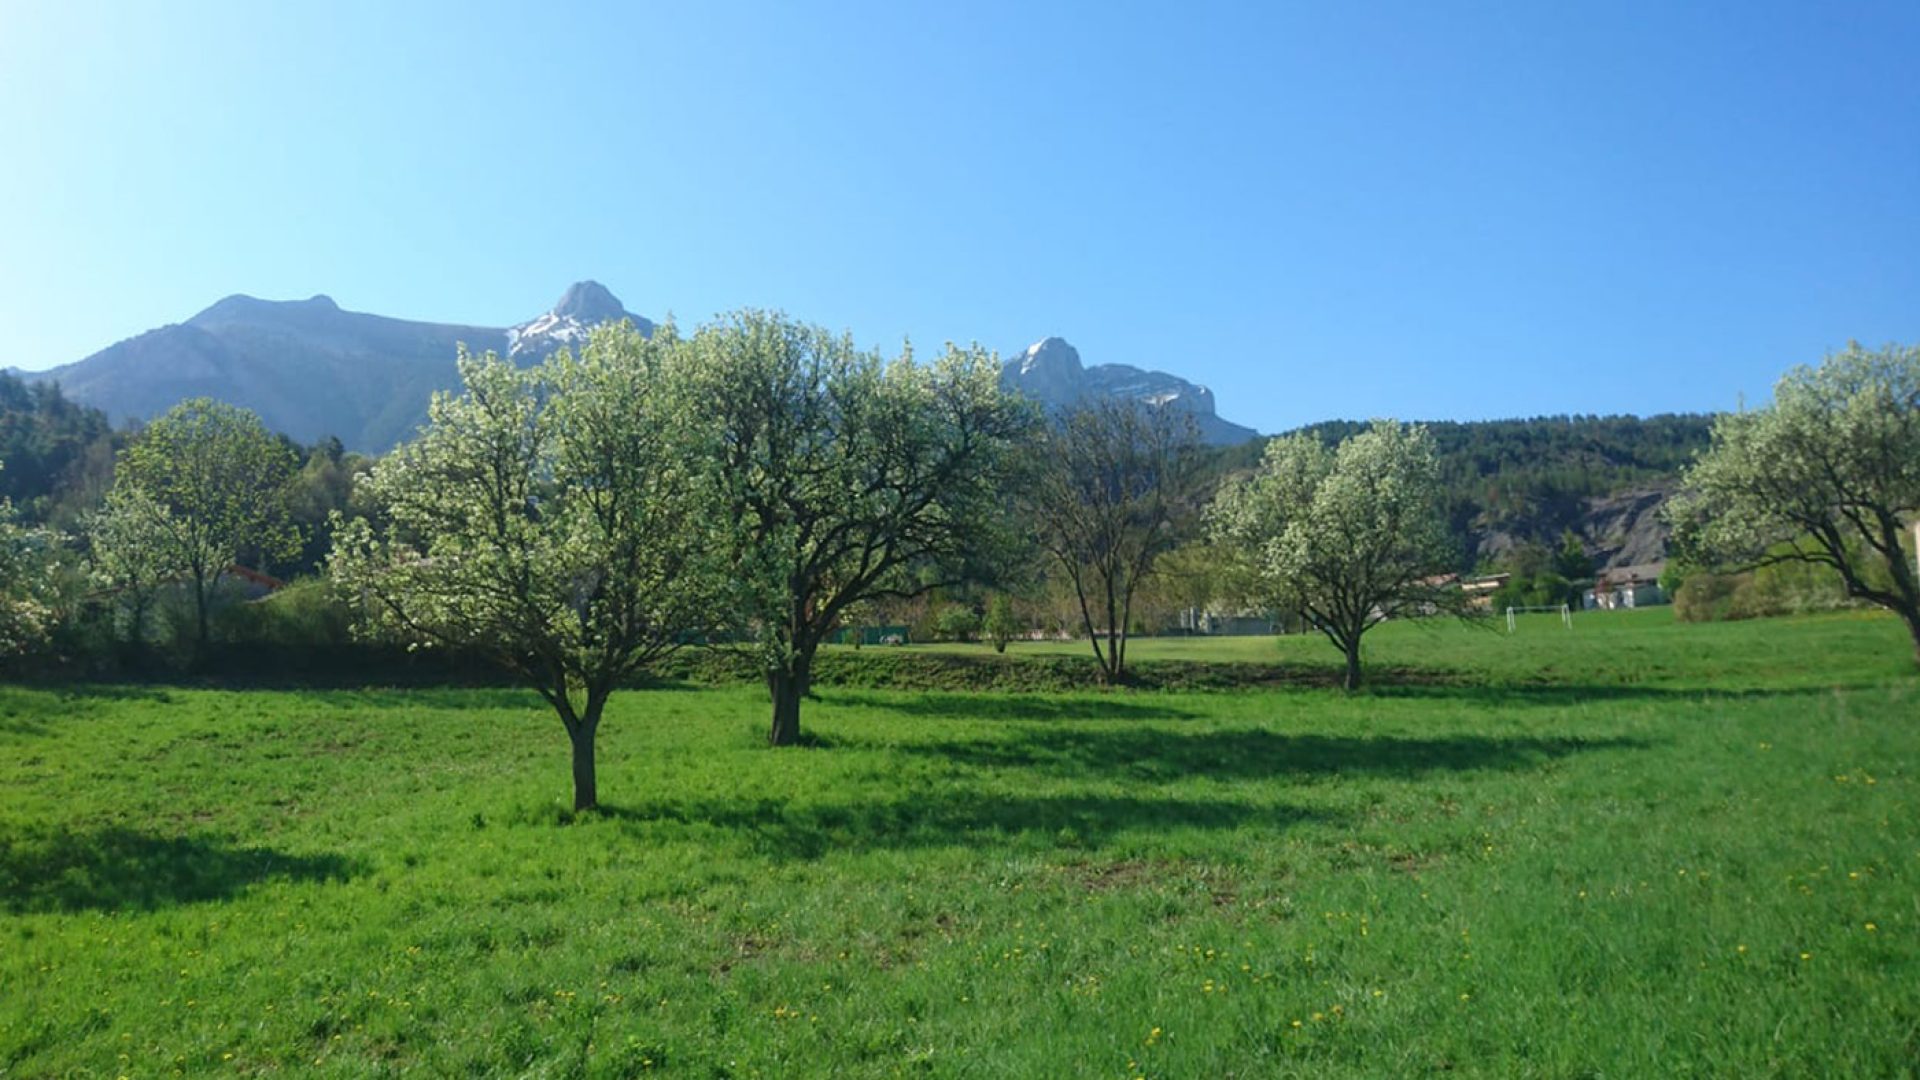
312	370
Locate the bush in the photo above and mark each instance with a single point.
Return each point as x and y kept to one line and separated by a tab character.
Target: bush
1781	589
957	623
1793	589
1704	597
1545	589
32	579
307	613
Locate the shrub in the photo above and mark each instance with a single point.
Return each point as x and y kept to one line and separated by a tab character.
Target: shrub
306	613
957	623
1706	597
1545	589
1782	589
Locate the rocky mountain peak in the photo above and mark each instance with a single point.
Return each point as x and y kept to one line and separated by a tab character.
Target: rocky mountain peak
1048	356
585	305
589	303
1050	372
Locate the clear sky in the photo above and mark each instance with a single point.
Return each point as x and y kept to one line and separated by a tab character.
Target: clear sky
1320	210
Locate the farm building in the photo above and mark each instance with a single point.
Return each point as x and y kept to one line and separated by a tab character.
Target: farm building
1227	624
1626	587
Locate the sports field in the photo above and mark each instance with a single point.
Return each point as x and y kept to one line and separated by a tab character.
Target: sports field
1631	849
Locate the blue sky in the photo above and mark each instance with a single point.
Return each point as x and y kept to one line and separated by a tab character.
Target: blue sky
1320	210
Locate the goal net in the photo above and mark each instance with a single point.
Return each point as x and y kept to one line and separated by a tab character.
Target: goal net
1566	615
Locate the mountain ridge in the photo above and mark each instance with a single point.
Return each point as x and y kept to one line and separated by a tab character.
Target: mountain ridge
1050	371
312	369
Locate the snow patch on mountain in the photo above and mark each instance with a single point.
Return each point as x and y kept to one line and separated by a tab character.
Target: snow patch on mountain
569	322
1050	372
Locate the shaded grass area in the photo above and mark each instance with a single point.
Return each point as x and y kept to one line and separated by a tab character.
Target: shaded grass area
118	867
1634	850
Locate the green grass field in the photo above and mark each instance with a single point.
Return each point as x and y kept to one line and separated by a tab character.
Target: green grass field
1634	849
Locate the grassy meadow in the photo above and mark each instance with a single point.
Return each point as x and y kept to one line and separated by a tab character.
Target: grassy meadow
1637	848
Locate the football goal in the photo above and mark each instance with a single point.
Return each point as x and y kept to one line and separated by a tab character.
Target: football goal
1566	615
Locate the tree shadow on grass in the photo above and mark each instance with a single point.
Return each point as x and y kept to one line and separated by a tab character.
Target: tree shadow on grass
960	706
28	709
117	868
807	830
1254	753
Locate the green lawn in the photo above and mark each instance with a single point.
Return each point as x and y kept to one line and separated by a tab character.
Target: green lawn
1632	849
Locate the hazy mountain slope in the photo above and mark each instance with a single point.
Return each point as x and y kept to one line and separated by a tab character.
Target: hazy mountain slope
312	370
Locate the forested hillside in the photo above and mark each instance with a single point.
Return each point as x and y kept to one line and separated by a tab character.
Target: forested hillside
56	456
1513	482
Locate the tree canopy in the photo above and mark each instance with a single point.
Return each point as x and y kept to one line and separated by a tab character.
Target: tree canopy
1350	536
545	518
1826	473
1117	483
27	593
211	484
840	476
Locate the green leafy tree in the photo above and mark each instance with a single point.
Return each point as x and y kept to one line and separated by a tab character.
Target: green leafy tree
1119	483
841	477
1351	536
1001	625
1545	589
1570	559
957	622
1827	473
130	557
324	484
29	560
213	482
1189	581
541	519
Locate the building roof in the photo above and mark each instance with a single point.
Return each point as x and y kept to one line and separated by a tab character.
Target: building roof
1637	574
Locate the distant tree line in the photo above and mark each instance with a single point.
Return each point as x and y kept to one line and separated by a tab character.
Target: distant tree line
57	455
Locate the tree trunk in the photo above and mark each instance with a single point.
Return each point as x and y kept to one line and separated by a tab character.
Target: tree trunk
586	789
1912	615
202	635
1352	680
784	687
803	678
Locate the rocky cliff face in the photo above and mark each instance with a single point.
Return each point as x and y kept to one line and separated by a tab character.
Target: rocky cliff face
1617	530
1050	372
1626	529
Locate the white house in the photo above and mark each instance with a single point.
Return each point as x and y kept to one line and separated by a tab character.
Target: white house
1626	587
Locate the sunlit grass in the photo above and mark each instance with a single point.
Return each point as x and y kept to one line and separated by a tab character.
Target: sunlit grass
1632	849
